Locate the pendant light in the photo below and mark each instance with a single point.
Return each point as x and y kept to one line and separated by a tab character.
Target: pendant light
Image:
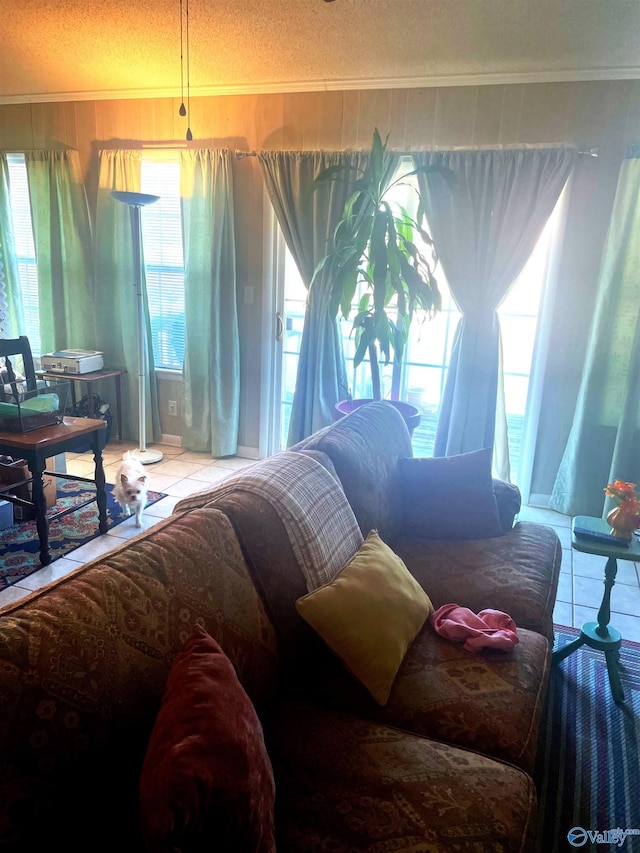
185	111
182	111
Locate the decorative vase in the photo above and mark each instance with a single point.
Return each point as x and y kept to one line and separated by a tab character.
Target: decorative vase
622	523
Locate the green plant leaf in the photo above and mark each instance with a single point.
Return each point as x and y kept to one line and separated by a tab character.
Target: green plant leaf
405	225
426	237
354	201
435	169
322	263
347	296
366	337
377	160
328	174
383	342
363	305
378	258
344	287
400	336
363	235
362	319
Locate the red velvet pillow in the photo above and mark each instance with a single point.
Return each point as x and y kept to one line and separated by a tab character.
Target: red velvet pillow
207	781
449	497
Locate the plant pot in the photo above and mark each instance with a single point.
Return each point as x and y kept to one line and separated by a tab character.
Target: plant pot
411	414
415	396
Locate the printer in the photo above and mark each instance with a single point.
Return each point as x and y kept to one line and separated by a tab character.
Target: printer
72	361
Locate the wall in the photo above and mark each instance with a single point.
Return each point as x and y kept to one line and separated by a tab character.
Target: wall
604	114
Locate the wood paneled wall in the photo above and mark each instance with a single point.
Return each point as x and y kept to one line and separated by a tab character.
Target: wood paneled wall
604	114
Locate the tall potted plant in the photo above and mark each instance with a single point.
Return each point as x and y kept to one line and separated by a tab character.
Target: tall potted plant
379	245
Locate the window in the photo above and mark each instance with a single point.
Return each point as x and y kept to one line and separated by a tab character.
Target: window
428	350
25	249
162	248
519	313
164	261
295	300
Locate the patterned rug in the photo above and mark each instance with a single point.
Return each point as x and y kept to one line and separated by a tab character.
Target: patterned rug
19	547
588	770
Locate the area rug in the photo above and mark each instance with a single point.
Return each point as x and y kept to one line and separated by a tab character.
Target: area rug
588	770
19	547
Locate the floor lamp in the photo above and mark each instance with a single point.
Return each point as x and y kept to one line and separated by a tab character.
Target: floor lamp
135	202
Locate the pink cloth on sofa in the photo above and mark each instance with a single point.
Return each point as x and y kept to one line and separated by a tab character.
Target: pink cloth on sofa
488	629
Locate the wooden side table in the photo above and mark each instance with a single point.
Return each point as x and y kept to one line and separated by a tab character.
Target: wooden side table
38	446
90	378
601	635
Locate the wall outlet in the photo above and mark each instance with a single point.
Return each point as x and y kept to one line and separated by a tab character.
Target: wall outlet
173	408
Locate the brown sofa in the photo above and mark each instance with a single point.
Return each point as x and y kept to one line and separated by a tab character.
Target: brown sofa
444	765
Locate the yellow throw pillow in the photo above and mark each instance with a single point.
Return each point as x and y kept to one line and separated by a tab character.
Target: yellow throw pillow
369	614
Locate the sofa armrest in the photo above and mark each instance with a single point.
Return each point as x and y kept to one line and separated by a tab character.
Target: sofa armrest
509	501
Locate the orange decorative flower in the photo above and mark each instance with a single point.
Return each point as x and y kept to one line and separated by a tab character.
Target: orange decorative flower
630	505
624	495
619	491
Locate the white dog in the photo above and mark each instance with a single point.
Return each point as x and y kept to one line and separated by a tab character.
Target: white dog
130	489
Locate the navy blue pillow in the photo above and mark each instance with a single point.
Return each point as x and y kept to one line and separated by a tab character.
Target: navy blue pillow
449	497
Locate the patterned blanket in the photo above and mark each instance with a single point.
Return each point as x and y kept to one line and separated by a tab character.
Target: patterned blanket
319	521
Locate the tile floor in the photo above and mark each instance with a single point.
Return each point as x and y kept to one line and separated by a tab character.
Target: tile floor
181	473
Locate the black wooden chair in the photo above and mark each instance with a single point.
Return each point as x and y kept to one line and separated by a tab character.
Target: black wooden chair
39	445
17	347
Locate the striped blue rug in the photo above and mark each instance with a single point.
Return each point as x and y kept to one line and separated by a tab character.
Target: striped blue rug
588	770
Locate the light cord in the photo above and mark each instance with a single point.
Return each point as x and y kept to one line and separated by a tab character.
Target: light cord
189	134
182	110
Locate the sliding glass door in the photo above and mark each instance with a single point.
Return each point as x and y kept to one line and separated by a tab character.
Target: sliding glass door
429	348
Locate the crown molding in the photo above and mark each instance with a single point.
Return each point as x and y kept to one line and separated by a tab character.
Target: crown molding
347	84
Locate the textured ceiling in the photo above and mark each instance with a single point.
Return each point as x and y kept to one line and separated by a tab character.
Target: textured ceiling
74	49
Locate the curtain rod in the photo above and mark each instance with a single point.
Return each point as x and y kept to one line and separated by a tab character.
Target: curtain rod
589	152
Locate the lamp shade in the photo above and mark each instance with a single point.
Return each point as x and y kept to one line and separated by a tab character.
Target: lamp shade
139	199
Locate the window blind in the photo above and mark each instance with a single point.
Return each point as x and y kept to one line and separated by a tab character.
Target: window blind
164	261
25	249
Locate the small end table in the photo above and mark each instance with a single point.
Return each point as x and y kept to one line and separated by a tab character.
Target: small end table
601	635
89	378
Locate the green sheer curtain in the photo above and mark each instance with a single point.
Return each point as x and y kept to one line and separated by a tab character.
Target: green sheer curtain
604	441
308	223
63	243
115	297
212	353
484	232
11	314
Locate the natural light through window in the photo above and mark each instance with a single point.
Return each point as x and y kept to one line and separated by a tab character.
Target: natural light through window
25	249
163	256
428	352
164	261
